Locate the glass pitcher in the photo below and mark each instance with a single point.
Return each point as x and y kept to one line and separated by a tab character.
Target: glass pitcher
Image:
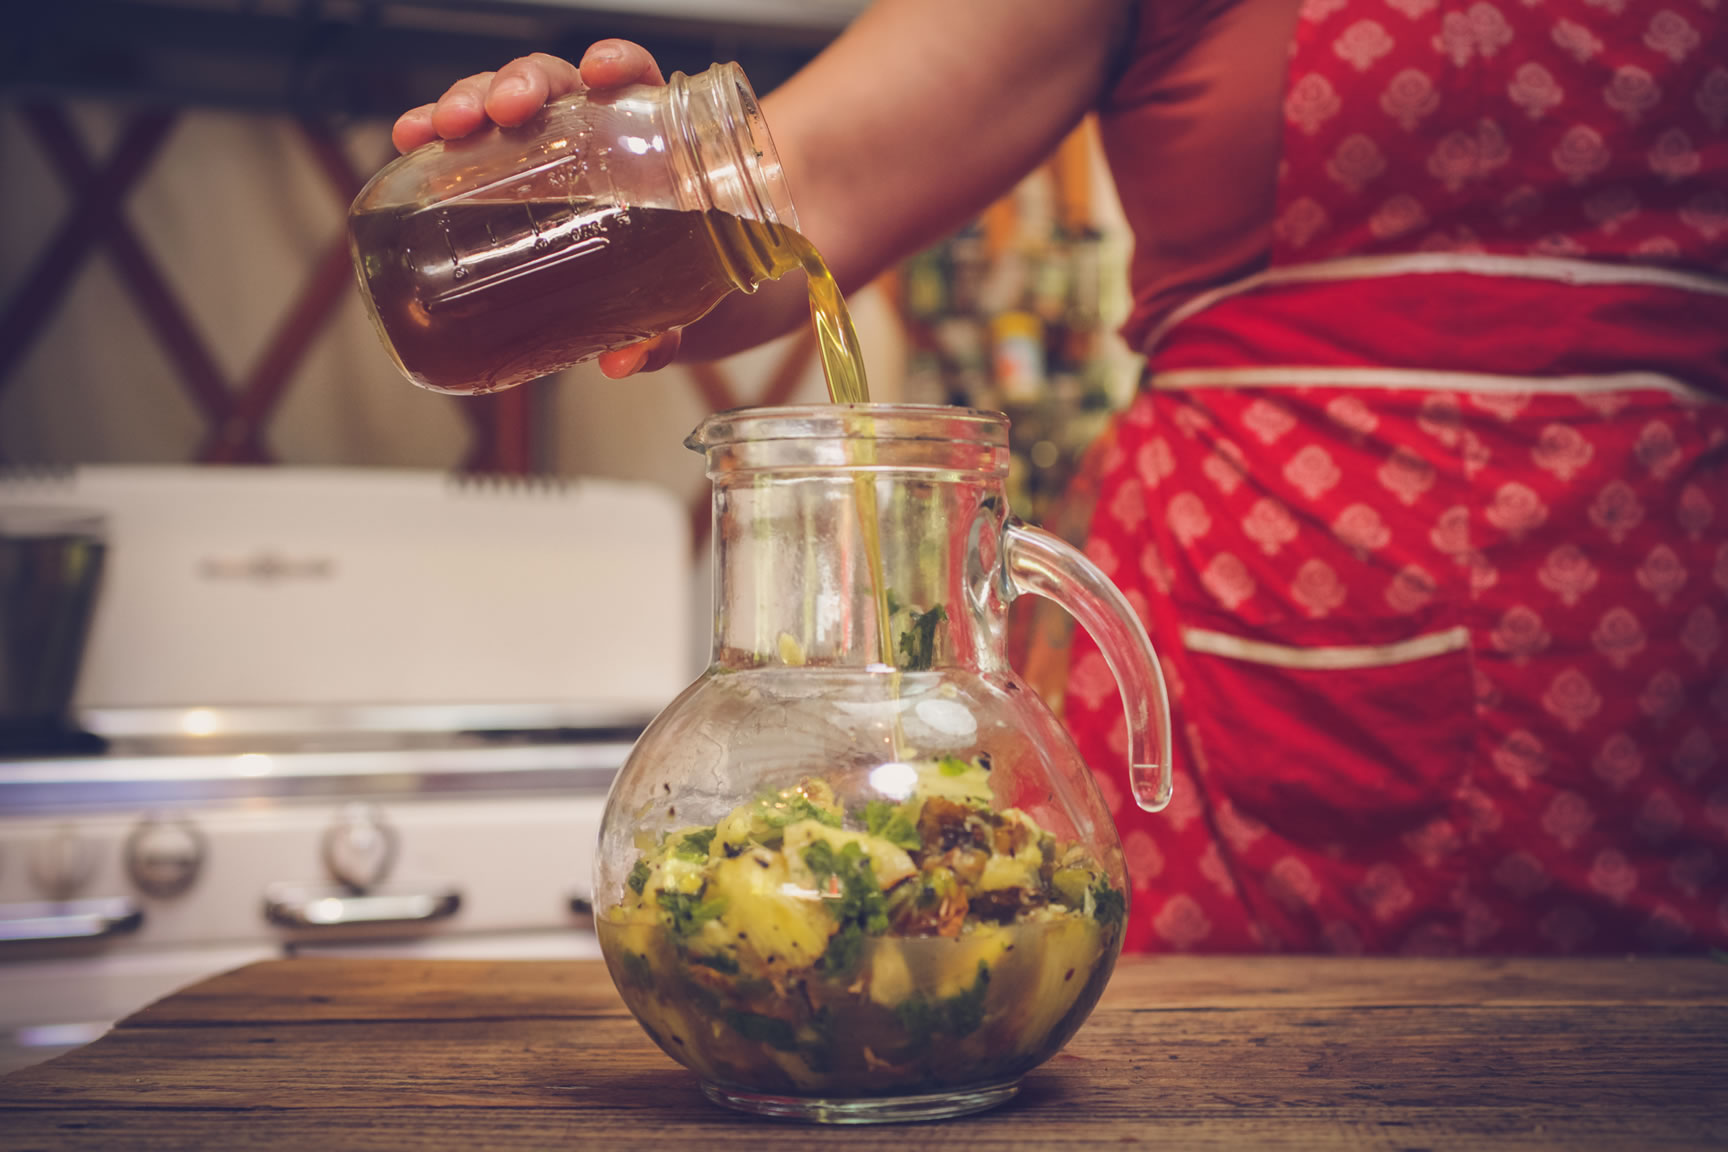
857	871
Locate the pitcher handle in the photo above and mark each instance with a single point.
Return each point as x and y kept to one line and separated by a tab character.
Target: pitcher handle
1042	563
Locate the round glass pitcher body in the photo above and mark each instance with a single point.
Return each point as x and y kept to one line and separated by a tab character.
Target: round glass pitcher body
610	216
858	871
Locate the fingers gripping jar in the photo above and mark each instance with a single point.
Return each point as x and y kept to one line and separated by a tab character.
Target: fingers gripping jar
609	217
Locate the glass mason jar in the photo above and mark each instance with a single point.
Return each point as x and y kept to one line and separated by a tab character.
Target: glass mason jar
609	217
857	871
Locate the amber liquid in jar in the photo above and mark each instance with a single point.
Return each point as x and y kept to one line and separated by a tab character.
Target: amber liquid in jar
477	296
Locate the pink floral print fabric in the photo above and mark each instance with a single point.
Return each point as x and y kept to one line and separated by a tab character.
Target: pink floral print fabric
1447	655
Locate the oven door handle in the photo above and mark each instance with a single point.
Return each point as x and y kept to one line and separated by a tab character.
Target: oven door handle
298	908
67	920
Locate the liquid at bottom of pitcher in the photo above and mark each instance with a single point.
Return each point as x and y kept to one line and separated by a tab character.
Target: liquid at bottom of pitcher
866	1110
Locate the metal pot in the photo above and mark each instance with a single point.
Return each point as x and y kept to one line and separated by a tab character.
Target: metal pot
51	562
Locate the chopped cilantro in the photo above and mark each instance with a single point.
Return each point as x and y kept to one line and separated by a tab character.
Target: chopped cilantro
720	962
861	910
919	1017
1109	906
790	806
769	1030
845	948
803	808
892	823
639	876
958	1015
918	642
952	766
694	847
966	1011
687	913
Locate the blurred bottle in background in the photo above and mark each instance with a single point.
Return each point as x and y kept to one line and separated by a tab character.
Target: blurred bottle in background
1017	312
1006	314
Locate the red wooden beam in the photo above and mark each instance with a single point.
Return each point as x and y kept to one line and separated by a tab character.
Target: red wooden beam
240	436
95	216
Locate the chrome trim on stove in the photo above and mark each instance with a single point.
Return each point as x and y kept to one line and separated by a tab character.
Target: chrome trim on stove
290	906
128	783
63	920
243	720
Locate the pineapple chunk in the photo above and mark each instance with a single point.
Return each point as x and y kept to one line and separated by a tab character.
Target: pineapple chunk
957	968
761	820
1017	869
891	981
676	874
889	863
952	779
1067	953
1002	872
770	925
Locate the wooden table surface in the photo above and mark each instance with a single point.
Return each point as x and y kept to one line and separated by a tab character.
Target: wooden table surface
1239	1053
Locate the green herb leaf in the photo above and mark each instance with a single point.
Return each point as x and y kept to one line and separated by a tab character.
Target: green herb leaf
686	913
861	910
958	1015
918	642
720	962
966	1011
791	806
638	879
892	823
1109	906
694	846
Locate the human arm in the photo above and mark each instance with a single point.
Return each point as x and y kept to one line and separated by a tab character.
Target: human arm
908	124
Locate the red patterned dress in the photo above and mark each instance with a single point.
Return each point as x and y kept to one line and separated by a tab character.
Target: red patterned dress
1428	516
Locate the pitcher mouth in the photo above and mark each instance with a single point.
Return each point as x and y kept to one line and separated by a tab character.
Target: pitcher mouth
881	423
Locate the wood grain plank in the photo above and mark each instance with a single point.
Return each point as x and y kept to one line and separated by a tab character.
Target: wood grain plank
1631	1058
305	989
325	988
1265	1052
1165	1125
1157	982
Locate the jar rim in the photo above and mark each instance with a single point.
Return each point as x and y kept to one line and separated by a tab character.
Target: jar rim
945	423
744	140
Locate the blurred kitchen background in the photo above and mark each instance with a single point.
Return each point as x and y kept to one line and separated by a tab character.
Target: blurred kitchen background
174	287
176	300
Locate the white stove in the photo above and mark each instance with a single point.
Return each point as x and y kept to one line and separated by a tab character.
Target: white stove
343	710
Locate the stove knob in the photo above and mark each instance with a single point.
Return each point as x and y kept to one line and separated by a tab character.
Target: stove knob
164	857
64	863
360	847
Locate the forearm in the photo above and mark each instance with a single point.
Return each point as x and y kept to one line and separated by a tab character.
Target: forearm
908	125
